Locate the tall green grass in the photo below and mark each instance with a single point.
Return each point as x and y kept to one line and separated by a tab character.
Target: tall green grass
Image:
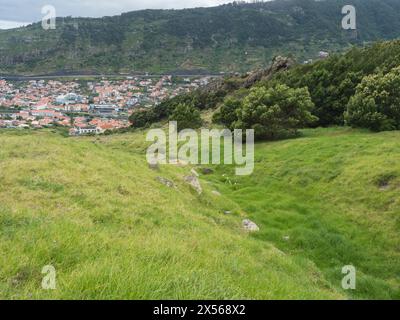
93	209
333	197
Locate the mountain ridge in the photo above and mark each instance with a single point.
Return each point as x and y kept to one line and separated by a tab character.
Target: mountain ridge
235	37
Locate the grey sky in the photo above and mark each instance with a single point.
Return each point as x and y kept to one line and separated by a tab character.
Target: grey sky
30	10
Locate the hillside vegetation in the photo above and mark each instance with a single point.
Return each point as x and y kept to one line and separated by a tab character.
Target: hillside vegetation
93	209
358	88
233	37
332	196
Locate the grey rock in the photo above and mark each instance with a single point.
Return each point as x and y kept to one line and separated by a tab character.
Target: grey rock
250	226
207	171
166	182
154	166
194	182
194	172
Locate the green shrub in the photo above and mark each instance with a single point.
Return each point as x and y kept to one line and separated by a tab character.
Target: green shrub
275	112
143	118
187	116
227	114
376	104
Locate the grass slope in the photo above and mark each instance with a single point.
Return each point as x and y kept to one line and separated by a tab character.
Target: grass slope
332	196
93	209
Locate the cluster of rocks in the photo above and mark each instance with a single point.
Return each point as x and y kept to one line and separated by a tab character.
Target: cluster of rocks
194	182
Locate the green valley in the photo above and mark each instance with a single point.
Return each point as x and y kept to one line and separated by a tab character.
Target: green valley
108	127
94	209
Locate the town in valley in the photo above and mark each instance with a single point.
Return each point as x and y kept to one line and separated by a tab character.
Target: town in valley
85	107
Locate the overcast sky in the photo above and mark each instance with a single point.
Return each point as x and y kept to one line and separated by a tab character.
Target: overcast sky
30	10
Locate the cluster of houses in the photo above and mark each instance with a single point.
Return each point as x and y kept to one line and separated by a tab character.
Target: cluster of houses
85	107
95	126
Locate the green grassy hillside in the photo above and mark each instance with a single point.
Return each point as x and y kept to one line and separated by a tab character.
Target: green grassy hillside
332	196
93	209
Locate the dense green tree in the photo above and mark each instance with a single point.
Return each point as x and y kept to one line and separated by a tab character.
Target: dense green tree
275	112
376	104
227	114
143	118
332	82
187	116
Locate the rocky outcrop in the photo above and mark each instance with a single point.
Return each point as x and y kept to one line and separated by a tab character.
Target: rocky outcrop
278	64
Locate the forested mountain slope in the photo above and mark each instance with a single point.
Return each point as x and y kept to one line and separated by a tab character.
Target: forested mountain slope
233	37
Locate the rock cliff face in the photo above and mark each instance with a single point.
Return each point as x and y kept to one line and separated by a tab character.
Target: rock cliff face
278	64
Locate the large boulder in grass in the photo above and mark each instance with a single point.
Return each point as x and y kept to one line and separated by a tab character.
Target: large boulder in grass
250	226
154	166
166	182
207	171
194	182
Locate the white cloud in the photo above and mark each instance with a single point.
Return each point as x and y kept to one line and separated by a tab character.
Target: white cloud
30	10
11	24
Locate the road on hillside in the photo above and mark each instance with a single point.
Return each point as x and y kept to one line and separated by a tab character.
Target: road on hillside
78	76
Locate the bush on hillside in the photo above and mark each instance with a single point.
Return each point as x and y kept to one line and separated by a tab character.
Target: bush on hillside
227	113
143	118
275	112
332	82
376	104
187	116
197	100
